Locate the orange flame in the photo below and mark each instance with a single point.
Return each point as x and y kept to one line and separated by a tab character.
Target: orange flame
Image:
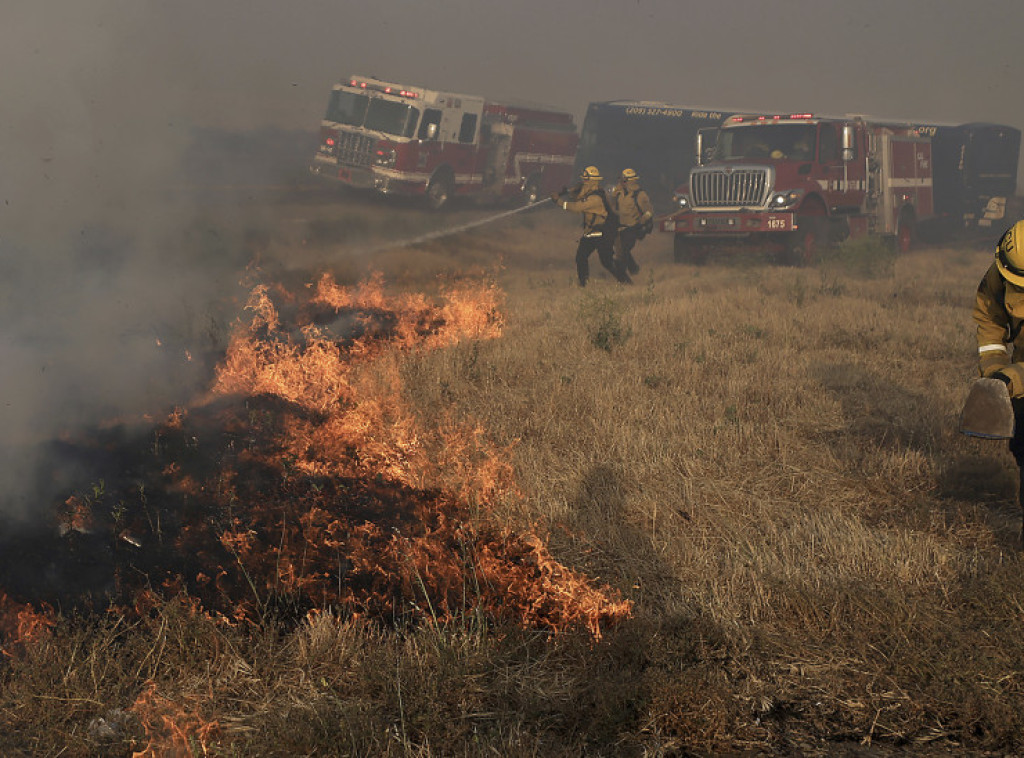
319	486
363	429
21	624
171	730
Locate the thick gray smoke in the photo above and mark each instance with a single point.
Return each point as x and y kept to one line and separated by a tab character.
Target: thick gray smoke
109	283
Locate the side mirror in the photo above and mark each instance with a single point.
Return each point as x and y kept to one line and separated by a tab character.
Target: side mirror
707	139
849	137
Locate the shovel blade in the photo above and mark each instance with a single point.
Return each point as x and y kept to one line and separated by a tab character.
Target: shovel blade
988	412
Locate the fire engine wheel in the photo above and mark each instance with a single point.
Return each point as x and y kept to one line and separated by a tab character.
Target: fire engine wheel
439	192
685	250
807	242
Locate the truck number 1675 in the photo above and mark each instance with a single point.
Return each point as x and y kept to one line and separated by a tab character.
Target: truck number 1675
776	223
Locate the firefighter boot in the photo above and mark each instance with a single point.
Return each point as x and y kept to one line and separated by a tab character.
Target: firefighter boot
1020	502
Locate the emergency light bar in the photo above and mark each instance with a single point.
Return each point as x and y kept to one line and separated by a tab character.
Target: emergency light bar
387	89
772	118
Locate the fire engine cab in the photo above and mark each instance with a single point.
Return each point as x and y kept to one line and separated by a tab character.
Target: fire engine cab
792	183
406	140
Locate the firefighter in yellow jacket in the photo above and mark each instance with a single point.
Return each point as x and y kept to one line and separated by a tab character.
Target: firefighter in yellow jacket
636	218
589	199
999	314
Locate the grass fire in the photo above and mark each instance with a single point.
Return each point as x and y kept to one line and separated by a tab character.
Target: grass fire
425	512
303	480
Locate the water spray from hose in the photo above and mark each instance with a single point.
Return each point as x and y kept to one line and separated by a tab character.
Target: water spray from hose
455	229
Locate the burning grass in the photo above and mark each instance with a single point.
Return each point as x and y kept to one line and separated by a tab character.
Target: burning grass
304	479
303	482
763	463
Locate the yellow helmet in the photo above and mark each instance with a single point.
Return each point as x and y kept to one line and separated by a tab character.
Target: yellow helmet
1010	254
628	174
591	173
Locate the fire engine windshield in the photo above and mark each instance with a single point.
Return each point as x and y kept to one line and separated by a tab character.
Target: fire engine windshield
378	114
391	117
347	108
760	141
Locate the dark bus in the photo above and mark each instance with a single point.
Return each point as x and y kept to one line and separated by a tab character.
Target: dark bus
974	177
657	140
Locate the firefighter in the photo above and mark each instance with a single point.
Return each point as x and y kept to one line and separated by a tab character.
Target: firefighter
588	198
636	218
999	314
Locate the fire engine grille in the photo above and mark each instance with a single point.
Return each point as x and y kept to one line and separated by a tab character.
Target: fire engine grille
354	149
715	188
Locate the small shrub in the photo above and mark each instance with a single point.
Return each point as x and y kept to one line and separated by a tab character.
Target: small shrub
869	257
831	286
602	320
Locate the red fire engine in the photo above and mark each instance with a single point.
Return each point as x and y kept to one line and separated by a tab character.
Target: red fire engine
401	139
792	183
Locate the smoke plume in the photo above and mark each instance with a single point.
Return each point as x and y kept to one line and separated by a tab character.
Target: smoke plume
108	294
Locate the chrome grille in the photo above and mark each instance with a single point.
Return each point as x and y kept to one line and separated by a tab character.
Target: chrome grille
354	149
717	188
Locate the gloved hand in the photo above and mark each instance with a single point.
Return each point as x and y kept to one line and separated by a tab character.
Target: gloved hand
1012	376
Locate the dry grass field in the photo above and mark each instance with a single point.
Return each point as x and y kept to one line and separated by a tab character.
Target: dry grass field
762	460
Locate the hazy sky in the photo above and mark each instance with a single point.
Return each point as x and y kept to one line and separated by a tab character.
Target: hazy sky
240	62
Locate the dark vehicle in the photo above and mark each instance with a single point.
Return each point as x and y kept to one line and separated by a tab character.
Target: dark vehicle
655	139
975	178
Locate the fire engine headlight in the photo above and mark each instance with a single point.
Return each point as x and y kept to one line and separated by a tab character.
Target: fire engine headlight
785	199
385	157
682	202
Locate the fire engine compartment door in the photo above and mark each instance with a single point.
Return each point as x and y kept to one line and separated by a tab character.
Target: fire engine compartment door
498	146
459	133
907	176
453	127
884	152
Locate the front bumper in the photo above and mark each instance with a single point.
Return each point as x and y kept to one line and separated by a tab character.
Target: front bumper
360	177
729	223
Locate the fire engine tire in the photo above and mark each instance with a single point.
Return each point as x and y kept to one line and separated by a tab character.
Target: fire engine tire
805	244
838	231
439	191
685	250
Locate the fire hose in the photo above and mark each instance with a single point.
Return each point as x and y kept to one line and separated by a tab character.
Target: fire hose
457	229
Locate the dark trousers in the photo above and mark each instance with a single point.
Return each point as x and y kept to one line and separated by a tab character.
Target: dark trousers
1017	443
605	253
1017	449
628	237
